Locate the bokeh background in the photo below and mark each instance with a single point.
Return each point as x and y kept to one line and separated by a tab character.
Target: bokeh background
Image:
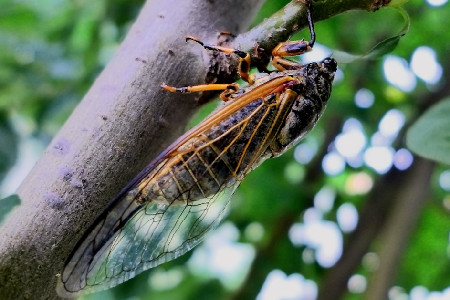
292	218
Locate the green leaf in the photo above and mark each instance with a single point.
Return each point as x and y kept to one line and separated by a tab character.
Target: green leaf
382	48
7	204
343	57
389	44
429	136
8	146
395	3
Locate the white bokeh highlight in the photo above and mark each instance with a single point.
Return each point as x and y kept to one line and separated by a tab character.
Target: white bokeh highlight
221	256
403	159
321	235
418	293
278	286
444	180
333	163
397	73
425	65
162	280
437	2
319	53
324	199
379	158
364	98
350	143
347	217
357	284
391	123
305	152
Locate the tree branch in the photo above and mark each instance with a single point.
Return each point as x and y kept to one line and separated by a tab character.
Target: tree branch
123	122
398	227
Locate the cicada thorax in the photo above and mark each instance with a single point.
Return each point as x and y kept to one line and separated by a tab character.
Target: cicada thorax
314	89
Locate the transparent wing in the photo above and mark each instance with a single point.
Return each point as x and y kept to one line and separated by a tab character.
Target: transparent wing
137	231
129	238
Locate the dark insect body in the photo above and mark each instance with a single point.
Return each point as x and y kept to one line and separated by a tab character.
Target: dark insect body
170	206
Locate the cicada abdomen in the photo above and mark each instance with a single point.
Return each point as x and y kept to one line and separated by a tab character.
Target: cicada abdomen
215	158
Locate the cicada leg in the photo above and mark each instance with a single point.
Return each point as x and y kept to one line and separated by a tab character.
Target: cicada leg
293	48
226	32
244	57
228	89
283	49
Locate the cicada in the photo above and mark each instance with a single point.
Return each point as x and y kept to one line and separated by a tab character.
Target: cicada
169	207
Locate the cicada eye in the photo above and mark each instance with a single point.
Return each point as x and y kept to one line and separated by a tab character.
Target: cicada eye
330	64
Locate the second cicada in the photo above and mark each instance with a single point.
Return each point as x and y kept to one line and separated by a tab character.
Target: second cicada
170	206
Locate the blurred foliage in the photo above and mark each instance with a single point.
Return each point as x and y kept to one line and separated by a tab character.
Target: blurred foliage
7	204
430	135
52	50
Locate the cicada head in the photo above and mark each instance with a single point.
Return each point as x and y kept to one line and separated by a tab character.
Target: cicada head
313	90
318	80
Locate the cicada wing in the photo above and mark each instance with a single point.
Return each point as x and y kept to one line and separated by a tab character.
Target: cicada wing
129	239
